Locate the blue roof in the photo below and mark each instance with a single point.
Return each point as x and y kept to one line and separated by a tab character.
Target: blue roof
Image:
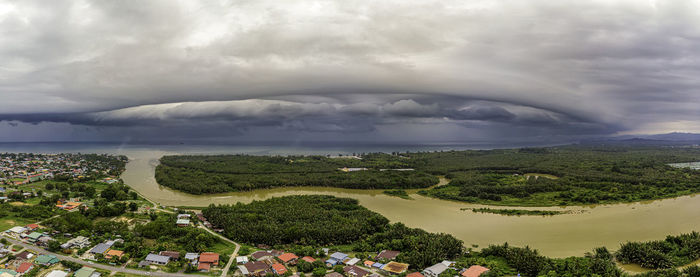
100	248
157	258
339	256
377	265
332	261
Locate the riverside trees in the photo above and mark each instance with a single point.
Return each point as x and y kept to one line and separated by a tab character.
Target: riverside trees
326	220
530	176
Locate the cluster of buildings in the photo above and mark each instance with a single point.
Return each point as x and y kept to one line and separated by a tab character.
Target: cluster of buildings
203	261
183	220
276	262
437	269
30	234
105	249
24	262
264	262
23	168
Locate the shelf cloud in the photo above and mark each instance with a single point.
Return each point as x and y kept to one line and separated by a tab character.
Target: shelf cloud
349	70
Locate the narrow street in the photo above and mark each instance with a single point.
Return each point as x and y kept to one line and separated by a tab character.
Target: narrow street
233	255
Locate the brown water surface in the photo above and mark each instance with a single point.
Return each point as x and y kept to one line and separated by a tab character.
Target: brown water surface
557	236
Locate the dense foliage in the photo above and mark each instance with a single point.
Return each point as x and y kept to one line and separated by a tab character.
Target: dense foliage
529	263
157	235
210	174
513	212
308	219
419	248
671	252
530	176
26	211
562	175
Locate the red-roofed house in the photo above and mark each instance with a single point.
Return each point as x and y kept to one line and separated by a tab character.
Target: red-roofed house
415	274
204	266
24	267
308	259
32	227
474	271
279	269
209	257
288	258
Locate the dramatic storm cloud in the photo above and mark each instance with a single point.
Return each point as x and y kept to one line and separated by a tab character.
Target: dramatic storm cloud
429	70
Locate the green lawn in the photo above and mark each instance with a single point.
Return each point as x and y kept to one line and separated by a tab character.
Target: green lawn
12	221
222	248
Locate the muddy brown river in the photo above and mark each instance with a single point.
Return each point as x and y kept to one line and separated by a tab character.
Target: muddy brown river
556	236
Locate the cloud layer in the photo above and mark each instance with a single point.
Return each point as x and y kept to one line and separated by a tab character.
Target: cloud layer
342	69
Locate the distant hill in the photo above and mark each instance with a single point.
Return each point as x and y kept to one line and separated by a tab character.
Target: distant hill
671	139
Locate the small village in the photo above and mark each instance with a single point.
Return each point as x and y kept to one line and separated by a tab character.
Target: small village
71	215
260	260
18	169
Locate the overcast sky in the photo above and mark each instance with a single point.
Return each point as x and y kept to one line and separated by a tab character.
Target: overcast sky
388	71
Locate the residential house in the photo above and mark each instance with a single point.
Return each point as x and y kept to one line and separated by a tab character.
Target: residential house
174	255
24	267
395	267
279	269
187	216
336	258
100	248
192	257
17	230
157	259
308	259
387	255
182	222
255	269
355	271
44	240
289	258
209	257
57	273
69	205
24	255
32	227
46	260
262	255
368	263
78	242
474	271
114	253
241	260
86	272
34	237
204	267
352	261
8	273
415	274
435	270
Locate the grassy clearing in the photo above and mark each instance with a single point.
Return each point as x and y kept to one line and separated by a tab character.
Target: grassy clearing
540	175
12	221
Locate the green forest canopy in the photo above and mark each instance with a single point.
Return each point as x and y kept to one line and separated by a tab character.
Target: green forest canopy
324	220
585	174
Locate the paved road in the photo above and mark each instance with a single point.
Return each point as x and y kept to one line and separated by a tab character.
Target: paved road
96	265
233	255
